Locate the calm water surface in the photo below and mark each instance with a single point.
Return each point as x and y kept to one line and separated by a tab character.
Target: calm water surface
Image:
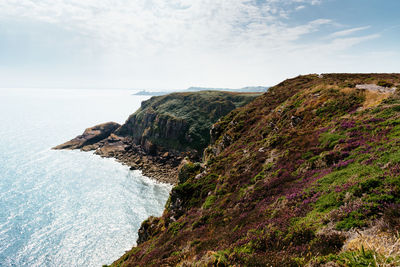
67	208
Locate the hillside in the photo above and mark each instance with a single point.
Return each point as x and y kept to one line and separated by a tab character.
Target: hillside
163	131
306	174
180	121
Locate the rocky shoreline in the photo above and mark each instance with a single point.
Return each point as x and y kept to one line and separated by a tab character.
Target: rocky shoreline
162	132
163	166
160	165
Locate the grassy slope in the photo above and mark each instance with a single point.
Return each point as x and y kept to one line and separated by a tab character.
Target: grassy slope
287	178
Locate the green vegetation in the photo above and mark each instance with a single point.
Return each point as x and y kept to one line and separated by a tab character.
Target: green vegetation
360	258
385	83
287	180
181	121
188	170
330	139
339	103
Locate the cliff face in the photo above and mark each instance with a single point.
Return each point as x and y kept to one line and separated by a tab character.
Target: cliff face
162	132
180	121
306	174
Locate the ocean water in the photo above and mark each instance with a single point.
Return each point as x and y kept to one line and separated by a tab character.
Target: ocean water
67	208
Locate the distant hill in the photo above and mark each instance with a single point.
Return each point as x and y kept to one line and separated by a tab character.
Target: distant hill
243	89
152	93
197	89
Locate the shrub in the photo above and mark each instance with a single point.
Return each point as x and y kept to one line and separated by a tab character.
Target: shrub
384	83
366	186
354	220
340	104
175	227
350	259
188	171
329	140
358	258
327	243
391	215
221	258
209	202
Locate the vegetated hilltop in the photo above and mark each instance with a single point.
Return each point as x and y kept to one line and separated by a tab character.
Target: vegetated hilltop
180	121
261	89
162	132
248	89
306	174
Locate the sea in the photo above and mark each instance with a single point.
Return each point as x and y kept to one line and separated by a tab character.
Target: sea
67	208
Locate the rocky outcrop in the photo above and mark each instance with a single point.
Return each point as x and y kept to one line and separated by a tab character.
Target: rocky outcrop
148	229
162	132
90	137
162	166
374	87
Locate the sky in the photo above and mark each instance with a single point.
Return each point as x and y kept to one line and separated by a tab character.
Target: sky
175	44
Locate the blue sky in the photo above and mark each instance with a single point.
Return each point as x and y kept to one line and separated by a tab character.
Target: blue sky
174	44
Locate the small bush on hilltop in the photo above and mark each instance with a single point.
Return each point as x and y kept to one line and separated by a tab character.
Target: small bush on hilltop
384	83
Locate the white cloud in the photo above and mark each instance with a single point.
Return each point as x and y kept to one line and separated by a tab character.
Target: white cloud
344	43
153	25
179	43
349	31
312	2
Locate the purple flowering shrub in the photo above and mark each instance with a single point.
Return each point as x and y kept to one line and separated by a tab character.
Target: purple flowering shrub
303	165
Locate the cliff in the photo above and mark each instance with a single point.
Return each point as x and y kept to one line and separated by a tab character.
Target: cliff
306	174
162	132
180	121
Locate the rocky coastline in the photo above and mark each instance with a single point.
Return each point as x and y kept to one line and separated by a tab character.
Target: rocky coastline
161	165
163	132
